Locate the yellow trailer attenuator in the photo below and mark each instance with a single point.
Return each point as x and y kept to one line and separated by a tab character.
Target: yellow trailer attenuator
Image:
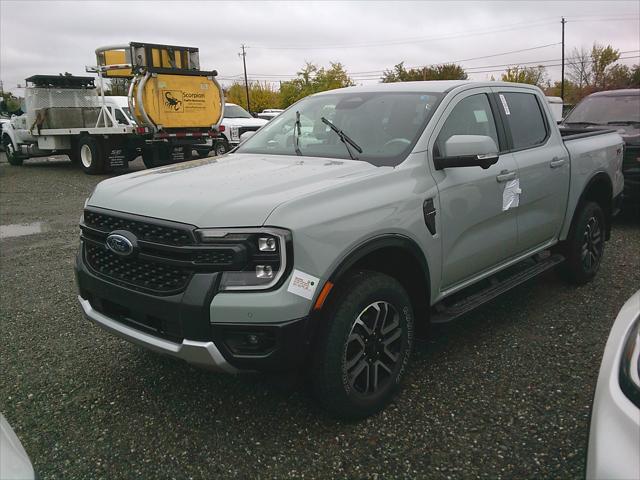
176	101
174	92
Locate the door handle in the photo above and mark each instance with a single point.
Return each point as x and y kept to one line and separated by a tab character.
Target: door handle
505	176
556	162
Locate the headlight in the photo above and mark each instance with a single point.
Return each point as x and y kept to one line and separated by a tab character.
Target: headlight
265	256
630	364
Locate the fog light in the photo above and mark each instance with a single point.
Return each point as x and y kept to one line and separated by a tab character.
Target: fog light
267	244
264	271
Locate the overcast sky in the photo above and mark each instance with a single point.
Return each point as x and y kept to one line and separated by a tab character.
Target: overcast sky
48	37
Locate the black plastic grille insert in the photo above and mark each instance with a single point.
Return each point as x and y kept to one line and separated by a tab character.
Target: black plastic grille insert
135	272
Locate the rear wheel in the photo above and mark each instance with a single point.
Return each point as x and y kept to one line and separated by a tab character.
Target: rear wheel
362	355
91	156
584	247
220	147
12	157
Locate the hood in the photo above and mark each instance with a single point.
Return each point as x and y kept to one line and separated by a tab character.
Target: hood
244	122
236	190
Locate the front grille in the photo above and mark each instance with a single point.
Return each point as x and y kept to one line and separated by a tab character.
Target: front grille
150	232
136	273
166	254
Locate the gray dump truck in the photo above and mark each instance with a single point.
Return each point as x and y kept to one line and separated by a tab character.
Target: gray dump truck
326	248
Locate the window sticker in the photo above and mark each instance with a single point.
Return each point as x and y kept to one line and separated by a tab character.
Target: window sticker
511	195
504	104
481	116
303	284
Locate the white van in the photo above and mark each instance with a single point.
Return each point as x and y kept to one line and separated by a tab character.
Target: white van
119	108
556	104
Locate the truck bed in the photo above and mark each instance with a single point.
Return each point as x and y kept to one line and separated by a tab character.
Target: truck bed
575	133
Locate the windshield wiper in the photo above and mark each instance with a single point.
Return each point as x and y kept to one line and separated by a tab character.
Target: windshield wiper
344	138
582	123
624	122
296	136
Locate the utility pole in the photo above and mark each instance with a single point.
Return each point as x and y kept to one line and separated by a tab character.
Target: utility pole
246	82
562	74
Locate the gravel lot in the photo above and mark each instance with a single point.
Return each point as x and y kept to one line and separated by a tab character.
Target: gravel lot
503	393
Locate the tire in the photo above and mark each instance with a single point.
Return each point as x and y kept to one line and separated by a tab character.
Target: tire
90	153
220	147
584	247
354	373
12	157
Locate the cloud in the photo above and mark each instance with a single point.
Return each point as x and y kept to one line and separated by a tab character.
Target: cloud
50	37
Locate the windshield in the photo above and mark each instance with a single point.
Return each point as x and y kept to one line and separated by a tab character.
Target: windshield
605	109
234	111
385	125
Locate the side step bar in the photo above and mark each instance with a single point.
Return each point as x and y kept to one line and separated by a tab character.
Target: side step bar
445	313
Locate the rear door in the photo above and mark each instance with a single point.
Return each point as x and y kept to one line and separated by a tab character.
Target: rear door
542	162
477	234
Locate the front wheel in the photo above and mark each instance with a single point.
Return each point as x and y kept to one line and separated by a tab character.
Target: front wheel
584	247
12	156
363	352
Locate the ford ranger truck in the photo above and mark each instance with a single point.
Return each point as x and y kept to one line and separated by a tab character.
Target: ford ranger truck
325	248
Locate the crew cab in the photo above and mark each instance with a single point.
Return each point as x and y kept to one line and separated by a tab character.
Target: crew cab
325	249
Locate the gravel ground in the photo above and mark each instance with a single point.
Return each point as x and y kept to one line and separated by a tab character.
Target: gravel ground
503	393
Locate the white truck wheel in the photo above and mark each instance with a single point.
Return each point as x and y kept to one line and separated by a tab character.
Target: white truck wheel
91	155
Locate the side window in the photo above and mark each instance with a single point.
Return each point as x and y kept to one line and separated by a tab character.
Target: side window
120	118
525	119
472	116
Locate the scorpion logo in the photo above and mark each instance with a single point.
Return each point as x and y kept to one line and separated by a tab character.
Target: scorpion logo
172	102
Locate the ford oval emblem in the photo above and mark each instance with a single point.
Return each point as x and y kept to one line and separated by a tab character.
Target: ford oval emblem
119	244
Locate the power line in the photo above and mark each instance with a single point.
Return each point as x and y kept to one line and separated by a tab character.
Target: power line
472	70
378	73
515	26
414	67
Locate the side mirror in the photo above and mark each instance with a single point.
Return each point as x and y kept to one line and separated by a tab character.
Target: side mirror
468	151
246	136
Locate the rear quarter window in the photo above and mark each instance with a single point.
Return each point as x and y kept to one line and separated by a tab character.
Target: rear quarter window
525	119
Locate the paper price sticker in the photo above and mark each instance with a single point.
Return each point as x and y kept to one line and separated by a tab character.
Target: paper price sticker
303	284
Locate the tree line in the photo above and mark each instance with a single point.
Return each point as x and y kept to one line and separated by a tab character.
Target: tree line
586	71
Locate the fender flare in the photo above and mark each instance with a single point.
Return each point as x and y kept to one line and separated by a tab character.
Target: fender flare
377	243
599	176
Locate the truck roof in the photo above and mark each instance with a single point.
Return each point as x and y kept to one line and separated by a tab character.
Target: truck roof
61	81
431	86
617	93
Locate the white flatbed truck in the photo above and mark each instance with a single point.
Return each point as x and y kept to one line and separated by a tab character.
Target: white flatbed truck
173	103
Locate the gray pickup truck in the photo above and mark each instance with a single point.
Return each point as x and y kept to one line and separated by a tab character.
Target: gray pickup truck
329	238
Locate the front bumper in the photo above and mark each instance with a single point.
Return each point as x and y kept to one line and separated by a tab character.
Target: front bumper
614	436
180	325
204	354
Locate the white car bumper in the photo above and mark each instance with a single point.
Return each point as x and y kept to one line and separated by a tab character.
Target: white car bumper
614	438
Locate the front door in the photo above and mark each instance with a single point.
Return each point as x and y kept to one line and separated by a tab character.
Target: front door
477	233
